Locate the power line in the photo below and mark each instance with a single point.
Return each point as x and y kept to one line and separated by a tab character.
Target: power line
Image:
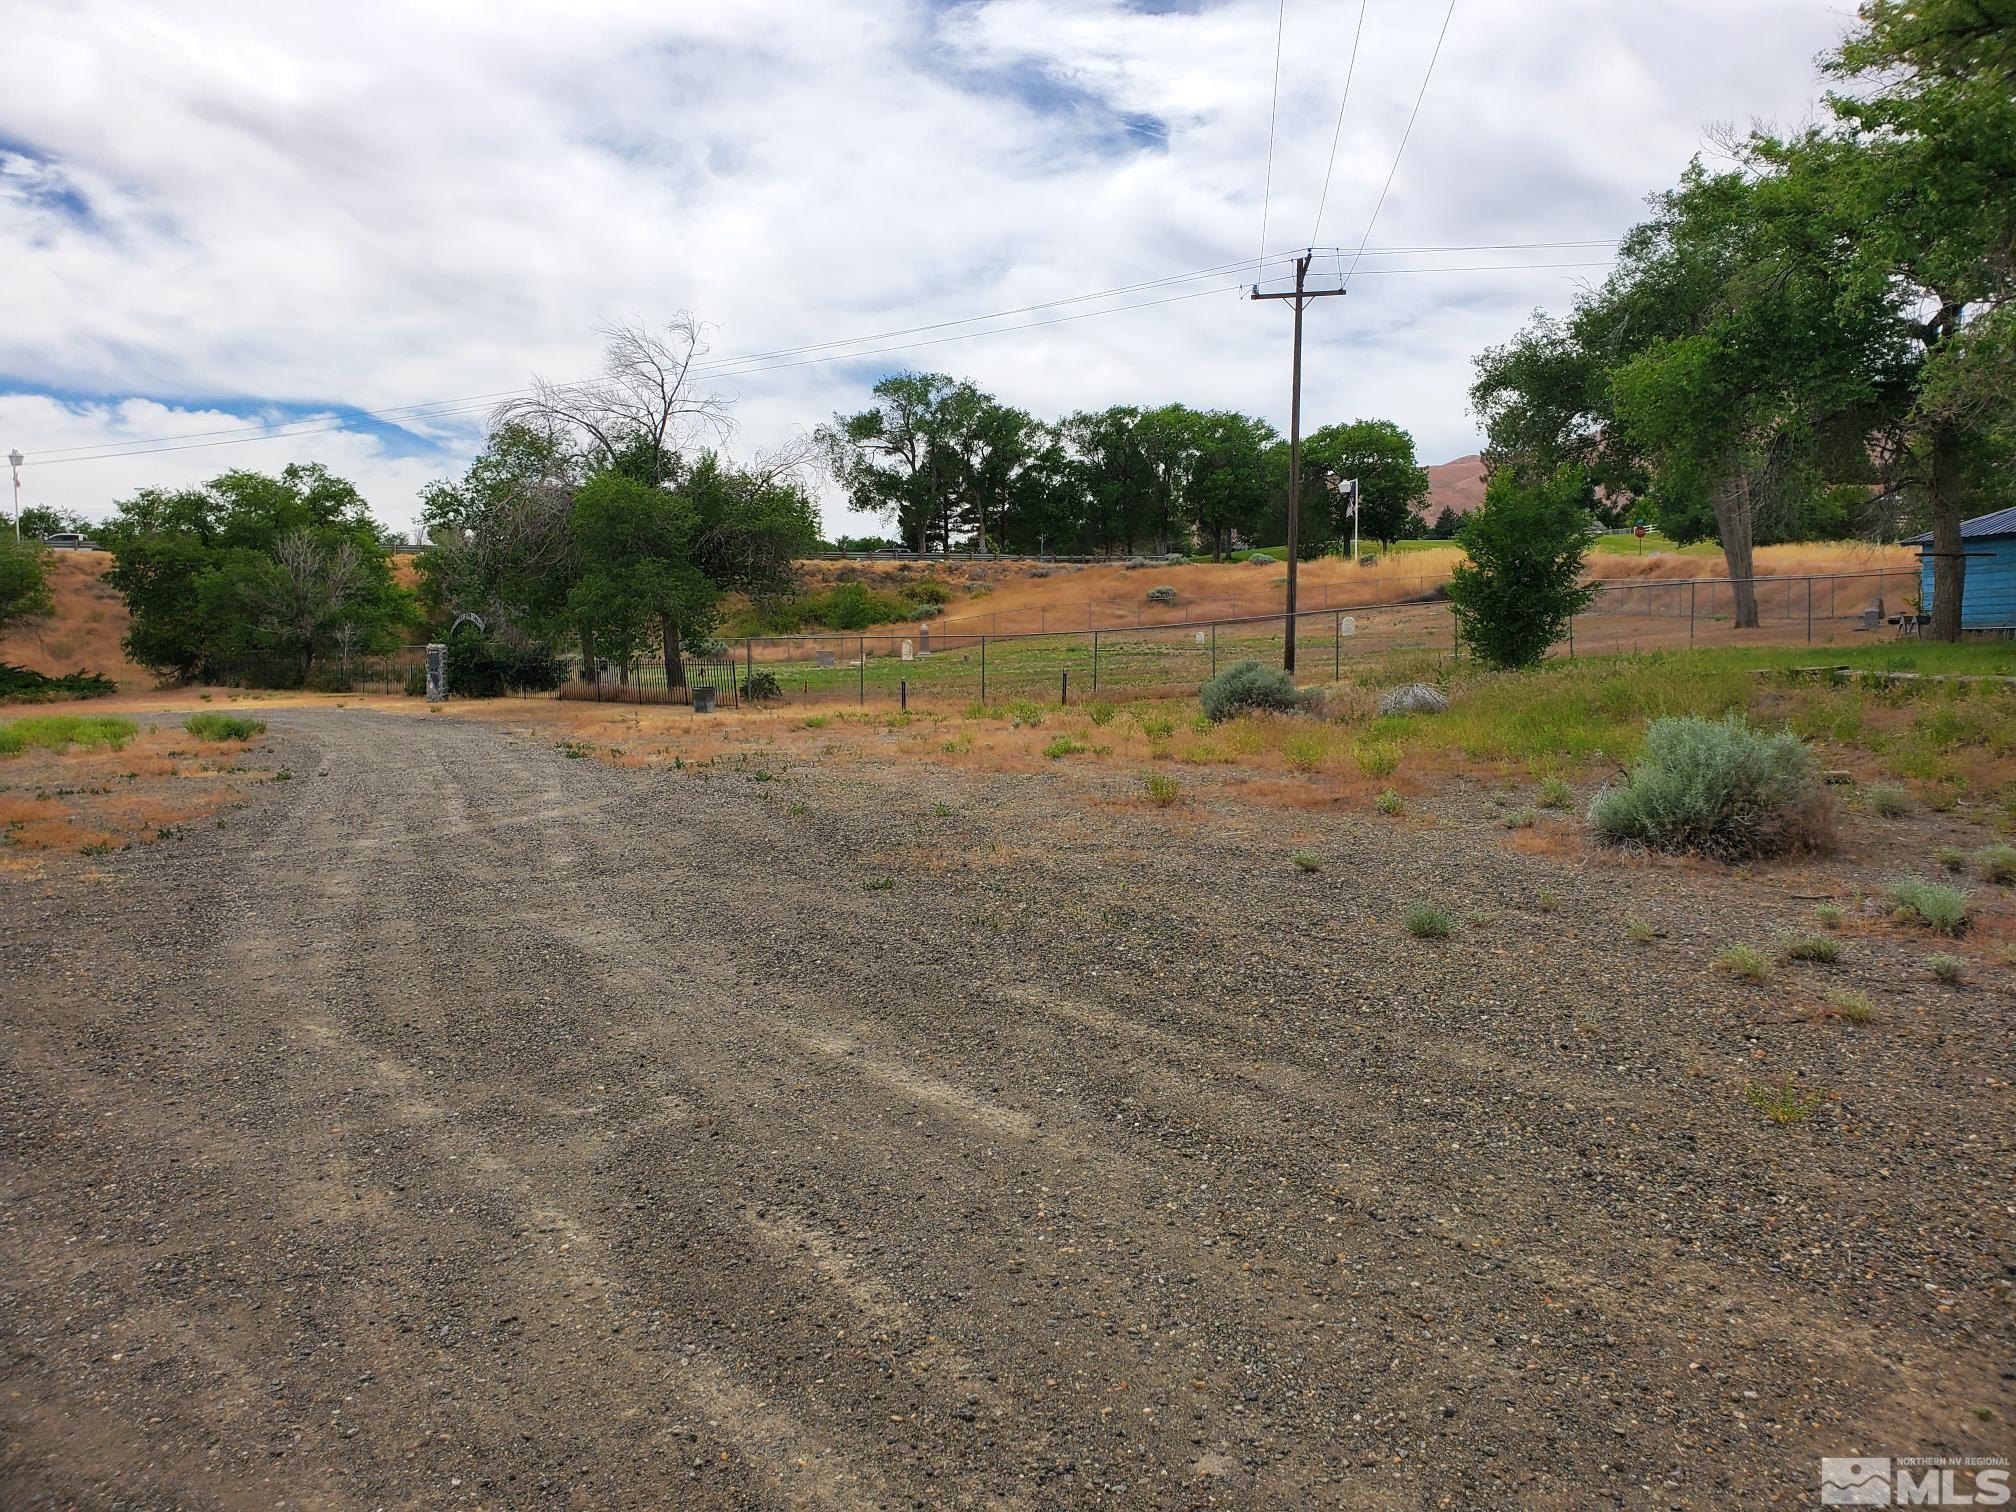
1338	135
329	426
446	409
442	409
1273	111
1419	96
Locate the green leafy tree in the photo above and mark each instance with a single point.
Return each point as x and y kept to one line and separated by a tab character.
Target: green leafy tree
1392	485
24	584
38	520
254	575
1523	580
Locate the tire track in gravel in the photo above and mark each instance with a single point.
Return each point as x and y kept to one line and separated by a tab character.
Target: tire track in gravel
669	1151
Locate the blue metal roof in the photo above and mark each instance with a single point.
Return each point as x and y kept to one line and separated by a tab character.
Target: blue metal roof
2002	522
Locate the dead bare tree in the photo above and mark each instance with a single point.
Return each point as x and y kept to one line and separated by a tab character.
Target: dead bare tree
647	396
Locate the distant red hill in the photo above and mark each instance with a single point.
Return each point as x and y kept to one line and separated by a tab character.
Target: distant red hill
1457	485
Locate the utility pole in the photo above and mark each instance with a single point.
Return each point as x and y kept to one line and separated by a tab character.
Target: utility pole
1302	295
17	459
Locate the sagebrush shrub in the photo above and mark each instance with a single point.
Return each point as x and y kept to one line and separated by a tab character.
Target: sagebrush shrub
1719	788
1162	593
1247	686
1944	909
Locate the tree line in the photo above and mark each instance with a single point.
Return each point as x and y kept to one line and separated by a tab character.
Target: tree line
944	463
1816	338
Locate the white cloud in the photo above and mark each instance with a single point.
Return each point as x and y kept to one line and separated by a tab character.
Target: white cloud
234	206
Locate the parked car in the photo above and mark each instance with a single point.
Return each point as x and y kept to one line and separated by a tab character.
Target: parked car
68	540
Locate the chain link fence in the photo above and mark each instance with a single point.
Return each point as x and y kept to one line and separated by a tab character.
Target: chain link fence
941	663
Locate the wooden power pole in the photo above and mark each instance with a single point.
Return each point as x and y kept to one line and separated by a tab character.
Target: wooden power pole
1302	295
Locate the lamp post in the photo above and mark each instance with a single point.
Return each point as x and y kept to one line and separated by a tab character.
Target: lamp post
16	459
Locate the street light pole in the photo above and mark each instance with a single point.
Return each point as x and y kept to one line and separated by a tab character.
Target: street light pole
15	458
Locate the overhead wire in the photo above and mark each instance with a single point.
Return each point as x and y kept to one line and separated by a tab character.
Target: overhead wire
1273	113
1413	115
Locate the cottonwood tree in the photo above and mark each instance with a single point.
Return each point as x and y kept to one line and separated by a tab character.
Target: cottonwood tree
1391	484
250	574
646	409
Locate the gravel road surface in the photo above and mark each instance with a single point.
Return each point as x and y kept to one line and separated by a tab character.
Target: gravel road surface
465	1124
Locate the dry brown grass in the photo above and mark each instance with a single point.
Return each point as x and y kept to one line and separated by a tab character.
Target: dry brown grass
86	629
75	799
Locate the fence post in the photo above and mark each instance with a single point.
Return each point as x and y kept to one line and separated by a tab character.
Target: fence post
983	669
1095	661
861	672
1690	611
1809	611
903	693
1337	652
1214	648
1064	689
1571	637
748	660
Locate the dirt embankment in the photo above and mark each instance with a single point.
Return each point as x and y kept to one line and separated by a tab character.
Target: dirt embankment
85	632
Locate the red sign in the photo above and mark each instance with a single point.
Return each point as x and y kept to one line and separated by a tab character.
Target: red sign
1638	531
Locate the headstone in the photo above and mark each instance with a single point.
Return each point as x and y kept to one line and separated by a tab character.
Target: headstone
1347	626
909	651
437	672
1200	637
924	640
823	658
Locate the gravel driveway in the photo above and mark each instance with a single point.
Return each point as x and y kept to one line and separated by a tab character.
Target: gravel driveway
464	1124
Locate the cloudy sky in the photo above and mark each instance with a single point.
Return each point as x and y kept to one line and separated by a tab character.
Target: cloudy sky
215	216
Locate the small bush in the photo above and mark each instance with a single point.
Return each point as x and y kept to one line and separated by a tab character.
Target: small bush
1521	583
927	591
1718	788
1161	593
1746	962
1304	753
1389	802
1996	863
1426	922
1830	915
223	726
1555	794
1157	726
761	685
1260	556
1099	711
1824	949
1162	791
1376	758
1783	1103
1064	745
1846	1003
1247	686
1949	969
1519	819
1942	908
1644	931
20	685
1025	712
54	732
327	679
1889	802
416	682
1951	858
1308	861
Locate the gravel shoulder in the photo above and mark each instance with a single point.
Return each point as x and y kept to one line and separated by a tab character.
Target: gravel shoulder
464	1124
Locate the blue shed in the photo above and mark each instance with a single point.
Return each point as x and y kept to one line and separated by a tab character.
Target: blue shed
1990	599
